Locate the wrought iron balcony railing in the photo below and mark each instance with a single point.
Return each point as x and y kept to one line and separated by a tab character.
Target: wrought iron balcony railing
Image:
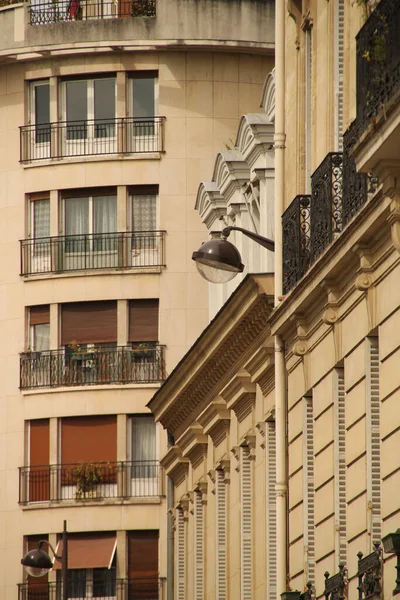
100	366
43	13
89	481
66	253
94	137
149	588
378	62
296	235
311	223
370	574
335	586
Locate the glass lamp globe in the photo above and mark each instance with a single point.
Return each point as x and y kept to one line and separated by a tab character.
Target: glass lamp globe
218	261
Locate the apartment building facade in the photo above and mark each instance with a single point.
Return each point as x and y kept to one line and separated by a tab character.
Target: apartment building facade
111	113
284	413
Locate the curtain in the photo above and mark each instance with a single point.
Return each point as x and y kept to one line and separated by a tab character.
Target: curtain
143	447
76	223
143	212
105	221
41	218
41	337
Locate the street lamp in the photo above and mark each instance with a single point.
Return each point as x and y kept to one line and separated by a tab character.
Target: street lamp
391	545
38	563
218	261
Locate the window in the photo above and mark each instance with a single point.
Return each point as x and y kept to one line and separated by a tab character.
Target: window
88	218
40	110
89	323
144	456
143	109
143	565
39	456
146	248
143	321
89	113
39	328
92	583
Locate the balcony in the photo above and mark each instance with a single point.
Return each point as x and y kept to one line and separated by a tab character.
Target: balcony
94	137
378	87
311	223
66	254
43	13
90	481
97	366
117	589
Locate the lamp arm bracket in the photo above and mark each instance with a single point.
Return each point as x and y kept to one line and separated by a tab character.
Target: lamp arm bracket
259	239
41	542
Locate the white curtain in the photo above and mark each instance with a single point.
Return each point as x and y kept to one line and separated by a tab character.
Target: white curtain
144	212
41	337
104	214
143	438
41	218
76	216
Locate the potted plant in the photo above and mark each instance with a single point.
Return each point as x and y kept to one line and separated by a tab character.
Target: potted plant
142	350
87	477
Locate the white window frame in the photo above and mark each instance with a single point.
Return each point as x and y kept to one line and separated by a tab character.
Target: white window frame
147	255
36	150
148	482
92	144
135	142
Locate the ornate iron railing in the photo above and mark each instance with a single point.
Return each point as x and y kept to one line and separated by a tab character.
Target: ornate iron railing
43	13
326	203
335	586
370	574
94	137
149	588
378	62
86	251
90	481
296	236
100	366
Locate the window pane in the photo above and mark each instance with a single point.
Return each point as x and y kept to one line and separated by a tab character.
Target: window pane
41	218
76	224
144	212
76	100
41	337
143	97
143	438
104	214
42	103
76	584
76	109
104	99
104	583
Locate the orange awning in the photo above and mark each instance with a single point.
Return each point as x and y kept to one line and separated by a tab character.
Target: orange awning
88	551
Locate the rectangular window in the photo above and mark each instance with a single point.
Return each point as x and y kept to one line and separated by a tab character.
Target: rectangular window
39	328
142	215
142	97
89	108
143	565
143	320
144	473
89	322
39	457
40	110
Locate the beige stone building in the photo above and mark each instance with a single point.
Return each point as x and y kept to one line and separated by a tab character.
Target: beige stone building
284	414
111	113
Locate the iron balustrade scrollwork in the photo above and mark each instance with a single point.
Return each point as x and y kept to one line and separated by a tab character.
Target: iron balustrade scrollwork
100	366
308	594
89	481
92	137
370	574
143	588
326	203
335	586
44	13
378	62
91	251
296	241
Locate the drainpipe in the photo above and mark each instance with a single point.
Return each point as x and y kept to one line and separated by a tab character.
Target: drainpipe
280	376
170	540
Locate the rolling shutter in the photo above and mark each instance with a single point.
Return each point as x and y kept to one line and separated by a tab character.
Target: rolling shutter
88	439
143	320
89	322
39	456
39	315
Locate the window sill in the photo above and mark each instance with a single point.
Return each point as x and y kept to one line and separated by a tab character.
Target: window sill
72	160
97	502
86	388
88	272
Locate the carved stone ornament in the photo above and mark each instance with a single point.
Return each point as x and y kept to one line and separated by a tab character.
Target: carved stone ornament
394	222
330	316
363	282
299	348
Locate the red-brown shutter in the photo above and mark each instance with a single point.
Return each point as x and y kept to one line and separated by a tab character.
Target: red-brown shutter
89	322
143	564
89	439
143	320
39	315
39	196
39	456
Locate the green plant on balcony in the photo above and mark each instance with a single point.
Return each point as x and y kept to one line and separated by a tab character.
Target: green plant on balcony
142	8
142	351
87	477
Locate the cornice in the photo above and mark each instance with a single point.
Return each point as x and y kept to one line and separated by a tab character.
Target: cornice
228	342
175	465
240	395
193	444
210	204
